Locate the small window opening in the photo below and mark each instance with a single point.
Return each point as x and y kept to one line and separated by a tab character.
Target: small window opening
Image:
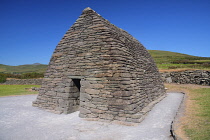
77	83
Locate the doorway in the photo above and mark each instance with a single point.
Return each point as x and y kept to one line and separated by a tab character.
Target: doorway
76	94
76	82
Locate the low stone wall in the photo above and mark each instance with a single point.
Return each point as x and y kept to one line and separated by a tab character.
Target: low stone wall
23	82
198	77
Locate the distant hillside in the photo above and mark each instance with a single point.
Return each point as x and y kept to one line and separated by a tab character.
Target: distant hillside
23	68
165	60
172	60
34	64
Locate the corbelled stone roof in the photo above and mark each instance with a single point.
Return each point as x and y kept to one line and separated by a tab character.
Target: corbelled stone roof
101	71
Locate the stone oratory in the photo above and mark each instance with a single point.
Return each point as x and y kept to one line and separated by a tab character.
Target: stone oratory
101	71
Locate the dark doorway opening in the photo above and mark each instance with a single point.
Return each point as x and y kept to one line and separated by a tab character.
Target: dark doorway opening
77	83
74	98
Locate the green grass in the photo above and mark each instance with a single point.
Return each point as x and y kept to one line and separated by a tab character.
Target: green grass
172	60
23	68
201	129
8	90
183	66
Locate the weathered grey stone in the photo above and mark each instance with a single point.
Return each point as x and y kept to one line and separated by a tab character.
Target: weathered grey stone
97	86
106	116
101	71
85	84
169	80
92	91
23	82
67	89
131	107
84	111
101	100
120	118
136	116
97	111
199	77
133	120
82	115
51	93
62	103
85	97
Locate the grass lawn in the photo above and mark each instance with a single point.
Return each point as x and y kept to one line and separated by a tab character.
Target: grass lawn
200	129
182	66
196	120
166	60
8	90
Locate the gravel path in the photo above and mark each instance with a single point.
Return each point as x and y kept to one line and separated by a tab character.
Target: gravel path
20	121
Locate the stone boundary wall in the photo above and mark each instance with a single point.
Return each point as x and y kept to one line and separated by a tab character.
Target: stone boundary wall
23	82
199	77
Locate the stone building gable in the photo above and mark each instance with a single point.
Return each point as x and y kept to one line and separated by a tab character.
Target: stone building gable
101	71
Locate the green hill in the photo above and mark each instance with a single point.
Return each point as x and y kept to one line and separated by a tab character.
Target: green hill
172	60
23	68
165	60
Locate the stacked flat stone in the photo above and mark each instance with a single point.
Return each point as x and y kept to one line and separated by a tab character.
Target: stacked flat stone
199	77
118	77
23	82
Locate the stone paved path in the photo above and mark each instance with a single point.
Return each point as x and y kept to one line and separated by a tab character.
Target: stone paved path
20	121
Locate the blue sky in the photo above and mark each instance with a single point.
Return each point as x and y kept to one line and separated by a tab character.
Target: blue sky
31	29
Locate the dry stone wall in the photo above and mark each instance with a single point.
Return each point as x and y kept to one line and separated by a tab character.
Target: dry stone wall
199	77
23	82
102	71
